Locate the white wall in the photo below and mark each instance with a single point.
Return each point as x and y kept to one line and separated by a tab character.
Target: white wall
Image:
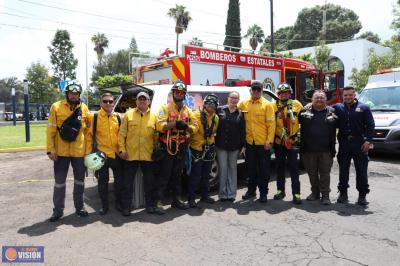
354	54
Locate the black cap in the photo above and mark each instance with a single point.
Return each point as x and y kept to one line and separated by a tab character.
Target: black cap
256	84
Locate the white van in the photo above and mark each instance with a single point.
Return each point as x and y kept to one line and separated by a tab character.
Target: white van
382	95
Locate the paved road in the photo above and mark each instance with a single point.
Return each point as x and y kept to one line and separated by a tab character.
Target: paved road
243	233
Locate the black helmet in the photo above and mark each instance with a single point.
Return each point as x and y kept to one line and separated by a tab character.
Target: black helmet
179	85
211	99
282	87
74	86
256	84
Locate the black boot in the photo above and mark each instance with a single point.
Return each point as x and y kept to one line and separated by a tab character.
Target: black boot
57	214
177	203
208	200
343	197
362	200
82	212
249	195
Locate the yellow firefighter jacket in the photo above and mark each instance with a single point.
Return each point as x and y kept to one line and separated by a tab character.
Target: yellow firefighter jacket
60	111
107	130
137	135
197	140
291	121
170	113
260	121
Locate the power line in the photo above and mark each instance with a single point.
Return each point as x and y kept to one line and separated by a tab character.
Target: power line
113	18
79	25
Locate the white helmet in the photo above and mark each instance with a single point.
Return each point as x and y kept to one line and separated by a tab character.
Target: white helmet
95	161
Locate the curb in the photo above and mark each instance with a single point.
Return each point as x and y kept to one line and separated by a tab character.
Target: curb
22	149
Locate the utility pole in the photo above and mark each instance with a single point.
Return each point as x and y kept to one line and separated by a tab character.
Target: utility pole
272	25
324	23
26	111
14	107
87	84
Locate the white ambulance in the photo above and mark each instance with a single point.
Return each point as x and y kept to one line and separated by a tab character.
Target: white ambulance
382	94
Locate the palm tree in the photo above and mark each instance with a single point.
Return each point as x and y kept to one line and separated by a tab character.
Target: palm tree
256	35
182	19
100	42
196	42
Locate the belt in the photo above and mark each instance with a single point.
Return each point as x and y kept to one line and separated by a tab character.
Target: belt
349	137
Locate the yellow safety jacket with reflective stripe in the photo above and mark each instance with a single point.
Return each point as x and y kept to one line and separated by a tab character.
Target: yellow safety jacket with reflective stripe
59	112
107	130
137	135
294	124
197	140
259	117
170	113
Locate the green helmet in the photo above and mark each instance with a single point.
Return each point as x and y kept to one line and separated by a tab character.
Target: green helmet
95	161
179	85
74	86
282	87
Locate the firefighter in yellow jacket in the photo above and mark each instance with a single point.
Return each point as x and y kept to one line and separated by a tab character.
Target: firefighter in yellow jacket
66	144
286	141
202	147
175	123
136	144
106	129
260	130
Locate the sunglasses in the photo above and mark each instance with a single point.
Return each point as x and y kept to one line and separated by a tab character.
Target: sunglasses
108	101
179	92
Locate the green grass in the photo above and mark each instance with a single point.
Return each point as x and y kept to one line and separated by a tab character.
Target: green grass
14	136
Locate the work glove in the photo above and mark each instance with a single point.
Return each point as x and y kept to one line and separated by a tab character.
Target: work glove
180	125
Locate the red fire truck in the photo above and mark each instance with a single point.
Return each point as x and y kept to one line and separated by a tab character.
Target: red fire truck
205	66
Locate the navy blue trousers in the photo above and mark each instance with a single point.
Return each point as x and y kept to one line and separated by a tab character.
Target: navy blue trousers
351	149
61	167
130	169
258	168
287	157
199	177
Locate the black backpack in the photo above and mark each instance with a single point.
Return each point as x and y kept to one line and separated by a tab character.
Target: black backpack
70	128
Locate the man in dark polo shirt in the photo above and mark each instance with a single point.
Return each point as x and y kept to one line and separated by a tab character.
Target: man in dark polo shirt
318	135
356	127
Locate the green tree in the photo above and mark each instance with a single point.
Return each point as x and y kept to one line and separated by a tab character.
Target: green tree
396	21
282	39
113	63
113	80
232	28
341	24
61	56
6	84
322	54
255	35
100	42
133	45
41	86
196	42
370	36
182	19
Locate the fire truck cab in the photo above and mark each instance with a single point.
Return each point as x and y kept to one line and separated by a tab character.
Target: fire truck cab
205	66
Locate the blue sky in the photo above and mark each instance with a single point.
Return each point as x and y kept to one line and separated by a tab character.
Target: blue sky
28	26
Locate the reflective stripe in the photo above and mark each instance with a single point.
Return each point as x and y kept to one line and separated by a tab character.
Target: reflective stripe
80	183
52	124
59	185
123	130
